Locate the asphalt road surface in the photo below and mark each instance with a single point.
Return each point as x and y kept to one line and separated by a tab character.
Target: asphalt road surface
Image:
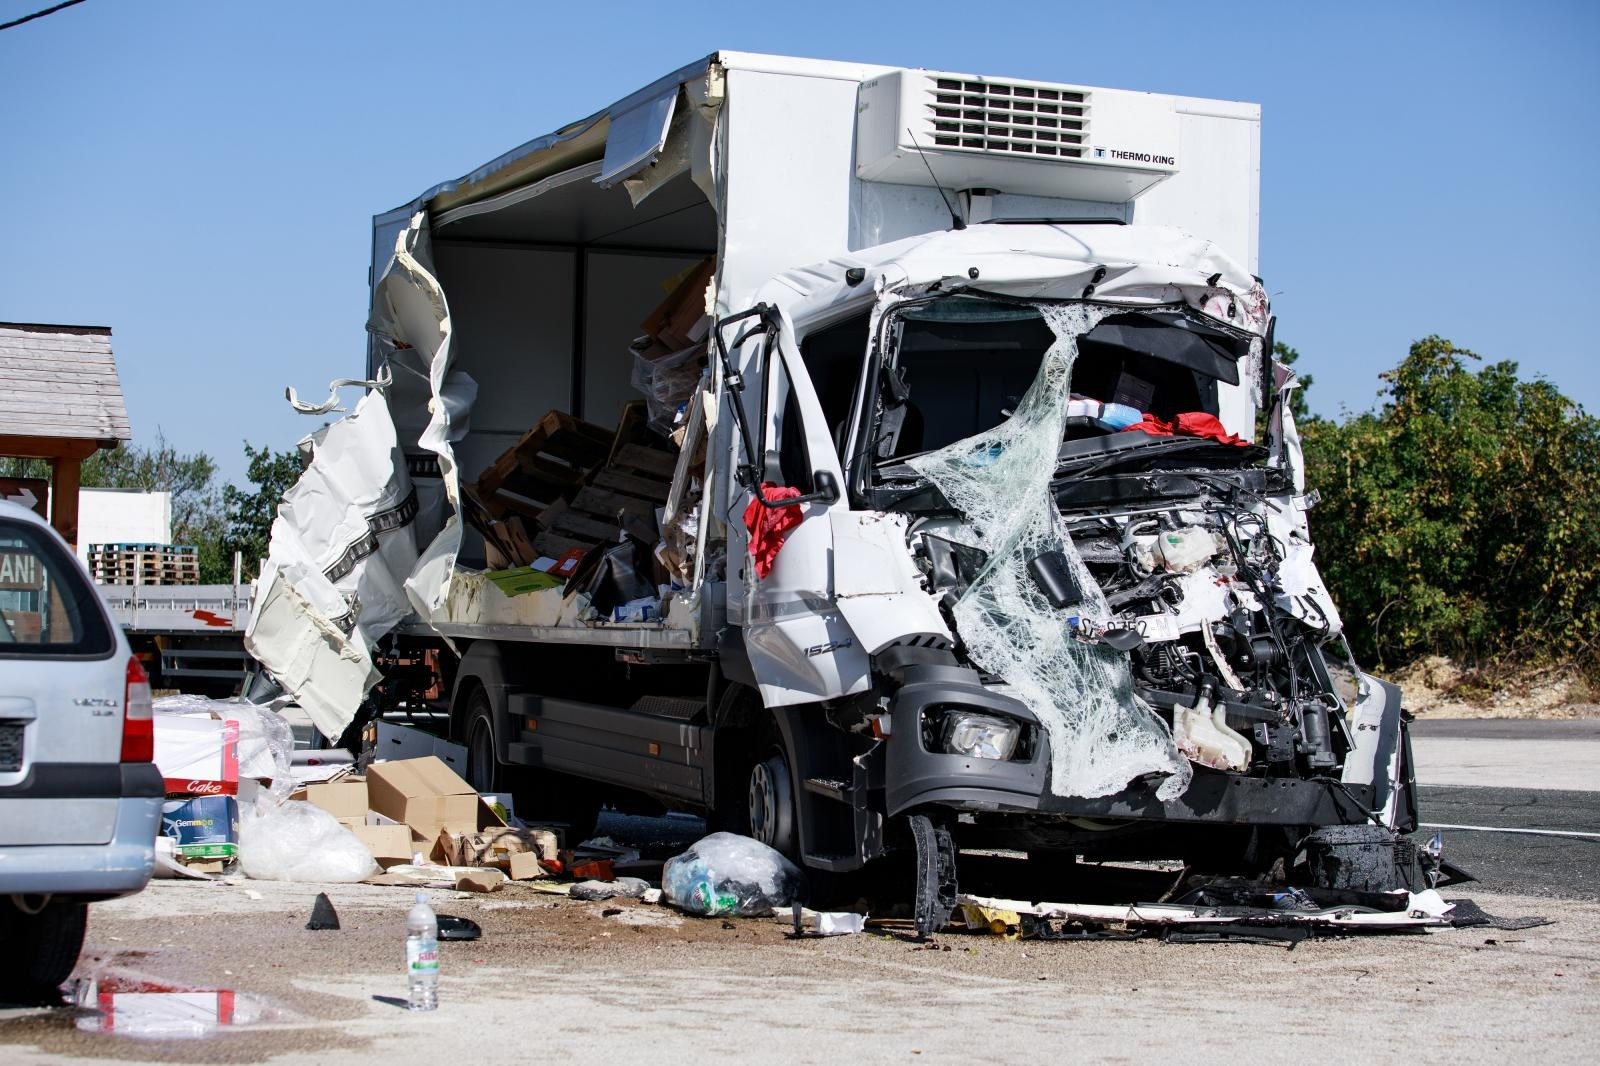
559	980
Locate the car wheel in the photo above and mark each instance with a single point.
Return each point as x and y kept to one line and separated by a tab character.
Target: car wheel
43	948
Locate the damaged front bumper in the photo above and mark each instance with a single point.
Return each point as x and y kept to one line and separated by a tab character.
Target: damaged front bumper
916	776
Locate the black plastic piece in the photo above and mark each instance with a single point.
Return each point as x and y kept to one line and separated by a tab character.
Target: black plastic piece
1053	575
1364	858
323	916
453	928
1122	639
854	276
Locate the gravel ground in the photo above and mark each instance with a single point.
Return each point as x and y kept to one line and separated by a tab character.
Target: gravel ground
560	980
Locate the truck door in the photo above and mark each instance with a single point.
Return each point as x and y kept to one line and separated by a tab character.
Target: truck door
801	650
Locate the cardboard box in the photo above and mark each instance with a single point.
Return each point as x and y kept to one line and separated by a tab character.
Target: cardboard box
403	742
524	866
345	799
425	794
495	846
197	756
202	828
390	845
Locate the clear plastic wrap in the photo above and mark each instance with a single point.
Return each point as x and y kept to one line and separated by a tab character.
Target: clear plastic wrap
299	841
1102	735
728	874
667	383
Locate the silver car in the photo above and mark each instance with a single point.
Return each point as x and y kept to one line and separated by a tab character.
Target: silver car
80	798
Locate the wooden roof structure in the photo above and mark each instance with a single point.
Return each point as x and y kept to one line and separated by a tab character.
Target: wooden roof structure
60	382
60	400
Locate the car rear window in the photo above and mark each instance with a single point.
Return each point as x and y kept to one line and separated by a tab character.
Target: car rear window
47	606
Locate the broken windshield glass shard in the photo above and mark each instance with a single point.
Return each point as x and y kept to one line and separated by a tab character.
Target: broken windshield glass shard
1102	735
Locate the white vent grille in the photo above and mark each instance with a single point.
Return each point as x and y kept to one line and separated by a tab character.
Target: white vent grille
988	116
960	131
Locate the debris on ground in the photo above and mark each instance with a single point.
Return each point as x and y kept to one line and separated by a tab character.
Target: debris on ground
808	922
1466	914
728	874
626	887
1211	911
452	927
323	916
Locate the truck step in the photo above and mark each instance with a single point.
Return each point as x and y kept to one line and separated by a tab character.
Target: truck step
681	710
834	790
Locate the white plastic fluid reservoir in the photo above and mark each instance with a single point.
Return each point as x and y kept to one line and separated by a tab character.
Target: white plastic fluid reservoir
1186	550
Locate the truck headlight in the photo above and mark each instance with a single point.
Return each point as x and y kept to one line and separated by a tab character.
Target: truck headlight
980	736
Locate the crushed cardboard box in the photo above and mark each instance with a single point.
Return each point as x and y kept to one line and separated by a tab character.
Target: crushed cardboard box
428	796
493	847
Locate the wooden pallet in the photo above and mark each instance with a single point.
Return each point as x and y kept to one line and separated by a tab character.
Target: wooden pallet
144	564
547	462
560	488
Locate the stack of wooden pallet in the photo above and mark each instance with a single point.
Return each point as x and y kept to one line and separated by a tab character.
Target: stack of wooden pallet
144	564
568	486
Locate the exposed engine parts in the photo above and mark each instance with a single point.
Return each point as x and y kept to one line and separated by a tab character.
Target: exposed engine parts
1225	639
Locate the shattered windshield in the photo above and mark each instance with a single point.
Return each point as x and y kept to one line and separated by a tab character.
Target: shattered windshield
958	366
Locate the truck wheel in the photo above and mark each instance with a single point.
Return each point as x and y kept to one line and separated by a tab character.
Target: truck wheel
43	948
483	770
770	802
538	795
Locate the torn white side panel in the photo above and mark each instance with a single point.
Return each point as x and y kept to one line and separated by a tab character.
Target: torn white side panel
410	311
341	551
327	671
877	586
344	565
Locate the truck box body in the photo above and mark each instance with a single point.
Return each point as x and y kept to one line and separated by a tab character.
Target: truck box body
868	225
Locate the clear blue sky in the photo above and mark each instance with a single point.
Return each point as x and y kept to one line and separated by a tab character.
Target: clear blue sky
201	176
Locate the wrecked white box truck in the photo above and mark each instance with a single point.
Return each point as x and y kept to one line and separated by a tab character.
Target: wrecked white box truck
987	526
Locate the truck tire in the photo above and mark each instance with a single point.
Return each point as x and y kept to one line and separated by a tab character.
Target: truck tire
538	795
43	949
770	802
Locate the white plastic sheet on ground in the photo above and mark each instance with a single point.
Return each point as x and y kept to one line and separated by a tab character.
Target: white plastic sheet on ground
1102	735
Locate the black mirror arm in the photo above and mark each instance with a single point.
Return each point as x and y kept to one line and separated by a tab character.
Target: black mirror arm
735	381
827	492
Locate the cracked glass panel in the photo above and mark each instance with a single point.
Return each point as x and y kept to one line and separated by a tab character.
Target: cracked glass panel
1102	735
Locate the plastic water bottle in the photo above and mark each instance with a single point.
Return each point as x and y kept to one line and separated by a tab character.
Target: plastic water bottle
422	955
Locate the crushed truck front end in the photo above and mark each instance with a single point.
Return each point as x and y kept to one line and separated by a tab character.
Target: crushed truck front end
1067	588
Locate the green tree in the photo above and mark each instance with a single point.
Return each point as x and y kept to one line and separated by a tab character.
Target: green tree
190	479
249	514
1463	516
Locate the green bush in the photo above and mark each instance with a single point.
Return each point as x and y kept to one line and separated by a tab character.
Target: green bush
1463	517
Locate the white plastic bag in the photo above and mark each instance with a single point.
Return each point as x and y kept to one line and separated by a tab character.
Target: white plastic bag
299	841
725	873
